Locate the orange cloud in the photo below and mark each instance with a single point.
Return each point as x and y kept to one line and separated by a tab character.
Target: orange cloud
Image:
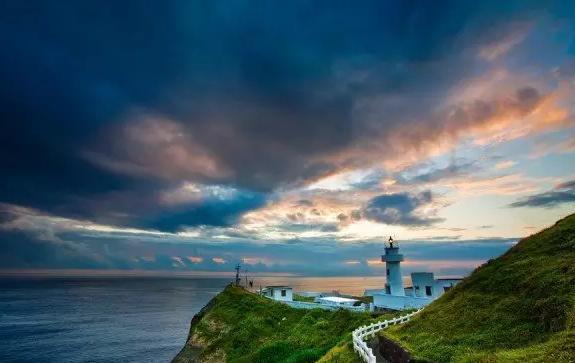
499	118
488	110
374	262
195	259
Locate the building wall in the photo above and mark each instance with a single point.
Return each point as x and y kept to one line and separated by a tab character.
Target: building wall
308	305
400	302
312	294
371	292
277	295
423	284
333	303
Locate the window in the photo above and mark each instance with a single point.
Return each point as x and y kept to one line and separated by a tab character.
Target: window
428	290
387	272
387	289
283	293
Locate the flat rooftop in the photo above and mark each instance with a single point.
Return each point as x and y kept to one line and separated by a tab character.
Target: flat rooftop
337	299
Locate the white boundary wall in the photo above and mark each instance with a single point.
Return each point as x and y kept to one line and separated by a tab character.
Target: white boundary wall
309	305
363	332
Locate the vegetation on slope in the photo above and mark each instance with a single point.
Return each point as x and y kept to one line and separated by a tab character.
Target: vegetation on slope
517	308
238	326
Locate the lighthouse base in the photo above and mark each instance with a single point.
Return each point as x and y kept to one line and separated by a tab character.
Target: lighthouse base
393	302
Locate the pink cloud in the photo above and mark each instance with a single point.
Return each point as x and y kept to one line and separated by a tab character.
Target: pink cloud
195	259
155	146
255	260
218	260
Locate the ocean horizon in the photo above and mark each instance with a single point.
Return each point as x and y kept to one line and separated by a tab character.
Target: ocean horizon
114	319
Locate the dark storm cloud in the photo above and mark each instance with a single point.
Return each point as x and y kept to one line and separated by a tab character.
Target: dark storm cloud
211	212
400	209
116	101
21	251
561	194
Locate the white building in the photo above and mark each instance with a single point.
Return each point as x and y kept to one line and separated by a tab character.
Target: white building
336	301
279	293
425	288
284	294
312	294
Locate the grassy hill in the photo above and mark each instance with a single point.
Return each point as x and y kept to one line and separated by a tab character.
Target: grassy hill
238	326
519	307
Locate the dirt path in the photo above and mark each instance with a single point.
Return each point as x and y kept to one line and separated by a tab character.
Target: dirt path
374	345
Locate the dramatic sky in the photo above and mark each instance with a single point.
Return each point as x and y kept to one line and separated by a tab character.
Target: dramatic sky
290	136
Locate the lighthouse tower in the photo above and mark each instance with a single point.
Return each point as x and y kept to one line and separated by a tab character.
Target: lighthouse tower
392	259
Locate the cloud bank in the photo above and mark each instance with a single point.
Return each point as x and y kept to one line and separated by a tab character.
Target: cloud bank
227	123
561	194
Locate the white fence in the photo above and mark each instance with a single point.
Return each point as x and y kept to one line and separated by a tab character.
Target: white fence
363	332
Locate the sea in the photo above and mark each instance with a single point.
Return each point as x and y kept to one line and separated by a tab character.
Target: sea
103	319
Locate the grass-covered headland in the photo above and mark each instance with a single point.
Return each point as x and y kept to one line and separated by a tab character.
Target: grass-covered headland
519	307
238	326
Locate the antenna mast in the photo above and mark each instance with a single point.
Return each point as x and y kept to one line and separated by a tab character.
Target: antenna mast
238	279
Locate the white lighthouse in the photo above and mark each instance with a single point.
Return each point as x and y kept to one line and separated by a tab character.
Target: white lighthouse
423	290
392	259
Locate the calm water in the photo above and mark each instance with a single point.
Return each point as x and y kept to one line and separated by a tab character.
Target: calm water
116	320
99	320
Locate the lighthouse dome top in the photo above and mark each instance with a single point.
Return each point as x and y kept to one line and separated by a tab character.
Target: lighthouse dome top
392	252
391	243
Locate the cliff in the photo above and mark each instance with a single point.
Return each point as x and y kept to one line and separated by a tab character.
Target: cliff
238	326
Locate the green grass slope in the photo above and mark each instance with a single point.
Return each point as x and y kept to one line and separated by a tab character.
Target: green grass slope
519	307
238	326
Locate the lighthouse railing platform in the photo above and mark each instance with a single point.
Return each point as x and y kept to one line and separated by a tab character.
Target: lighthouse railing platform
360	334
